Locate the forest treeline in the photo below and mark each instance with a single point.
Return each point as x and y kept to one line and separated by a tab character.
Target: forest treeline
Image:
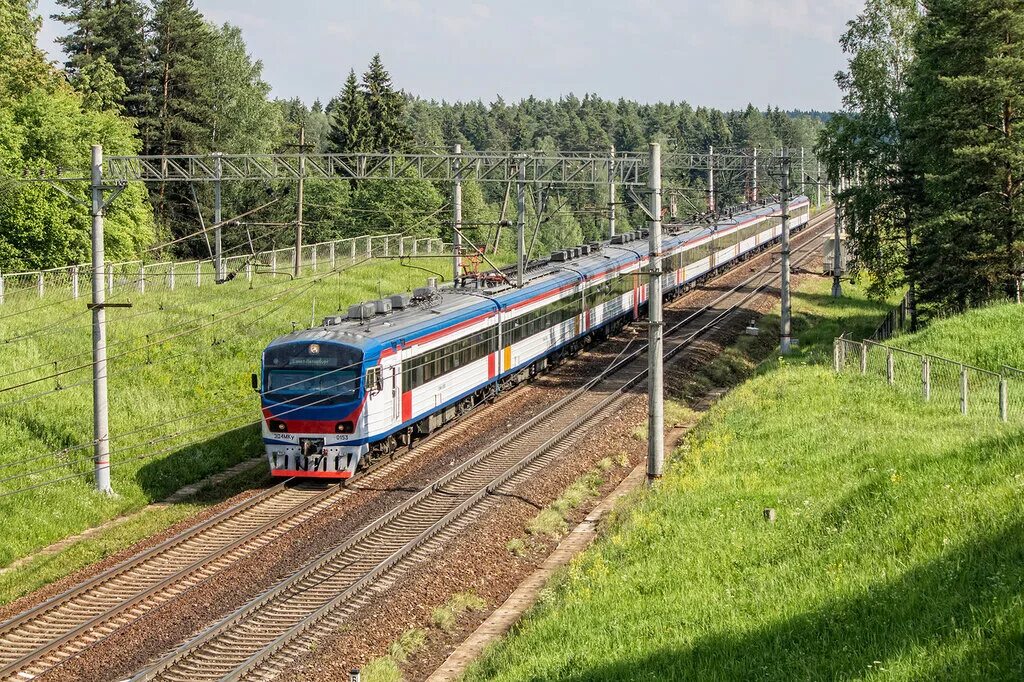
157	78
932	140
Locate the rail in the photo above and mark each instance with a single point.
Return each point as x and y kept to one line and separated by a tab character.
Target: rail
139	275
936	379
264	629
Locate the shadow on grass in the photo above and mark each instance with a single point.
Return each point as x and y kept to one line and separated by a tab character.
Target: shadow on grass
159	478
974	590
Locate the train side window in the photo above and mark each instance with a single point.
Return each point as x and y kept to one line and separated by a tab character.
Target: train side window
374	382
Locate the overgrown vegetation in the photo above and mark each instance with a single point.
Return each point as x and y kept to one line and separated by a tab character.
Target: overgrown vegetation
896	554
932	144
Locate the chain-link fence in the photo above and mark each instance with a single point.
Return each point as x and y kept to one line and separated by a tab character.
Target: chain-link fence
895	320
76	280
936	379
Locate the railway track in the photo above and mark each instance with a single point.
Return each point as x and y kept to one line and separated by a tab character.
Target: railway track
69	623
261	637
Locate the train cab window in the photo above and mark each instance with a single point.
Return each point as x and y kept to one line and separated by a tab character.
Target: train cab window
312	373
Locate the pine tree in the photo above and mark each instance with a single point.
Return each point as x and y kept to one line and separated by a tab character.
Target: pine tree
349	131
113	31
178	118
385	109
968	100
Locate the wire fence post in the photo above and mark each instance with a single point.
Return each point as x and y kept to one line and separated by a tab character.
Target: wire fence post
963	389
273	264
248	271
333	259
1	288
142	278
353	246
369	246
199	273
863	358
39	284
74	281
110	278
835	355
312	257
926	377
890	368
1004	402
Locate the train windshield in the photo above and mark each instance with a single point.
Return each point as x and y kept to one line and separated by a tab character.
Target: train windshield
312	373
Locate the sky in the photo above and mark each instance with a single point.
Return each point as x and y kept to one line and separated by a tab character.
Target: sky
719	53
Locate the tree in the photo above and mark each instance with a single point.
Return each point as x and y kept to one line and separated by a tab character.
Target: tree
112	31
967	94
45	124
867	142
177	121
349	119
385	109
241	119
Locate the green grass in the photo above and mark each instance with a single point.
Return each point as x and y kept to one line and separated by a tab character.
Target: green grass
203	373
898	550
384	669
977	338
446	617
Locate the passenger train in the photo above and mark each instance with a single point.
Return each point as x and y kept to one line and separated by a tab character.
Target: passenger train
361	385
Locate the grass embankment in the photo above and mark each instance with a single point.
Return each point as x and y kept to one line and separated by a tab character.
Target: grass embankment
202	346
897	553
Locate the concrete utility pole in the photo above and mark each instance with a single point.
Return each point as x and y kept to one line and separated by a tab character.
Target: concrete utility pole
298	222
785	340
655	351
753	175
611	194
711	178
101	427
218	244
837	285
521	221
803	173
817	185
457	219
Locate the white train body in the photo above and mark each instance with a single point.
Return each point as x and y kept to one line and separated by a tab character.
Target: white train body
363	385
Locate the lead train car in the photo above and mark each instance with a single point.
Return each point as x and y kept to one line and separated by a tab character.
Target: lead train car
338	395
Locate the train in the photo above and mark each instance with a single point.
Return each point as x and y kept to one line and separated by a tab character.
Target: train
361	385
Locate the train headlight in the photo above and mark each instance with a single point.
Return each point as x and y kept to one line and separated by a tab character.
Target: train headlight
278	426
345	427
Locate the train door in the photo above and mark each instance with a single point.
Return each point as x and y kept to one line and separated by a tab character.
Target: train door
396	393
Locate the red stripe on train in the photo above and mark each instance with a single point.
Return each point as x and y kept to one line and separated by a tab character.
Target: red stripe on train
407	406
